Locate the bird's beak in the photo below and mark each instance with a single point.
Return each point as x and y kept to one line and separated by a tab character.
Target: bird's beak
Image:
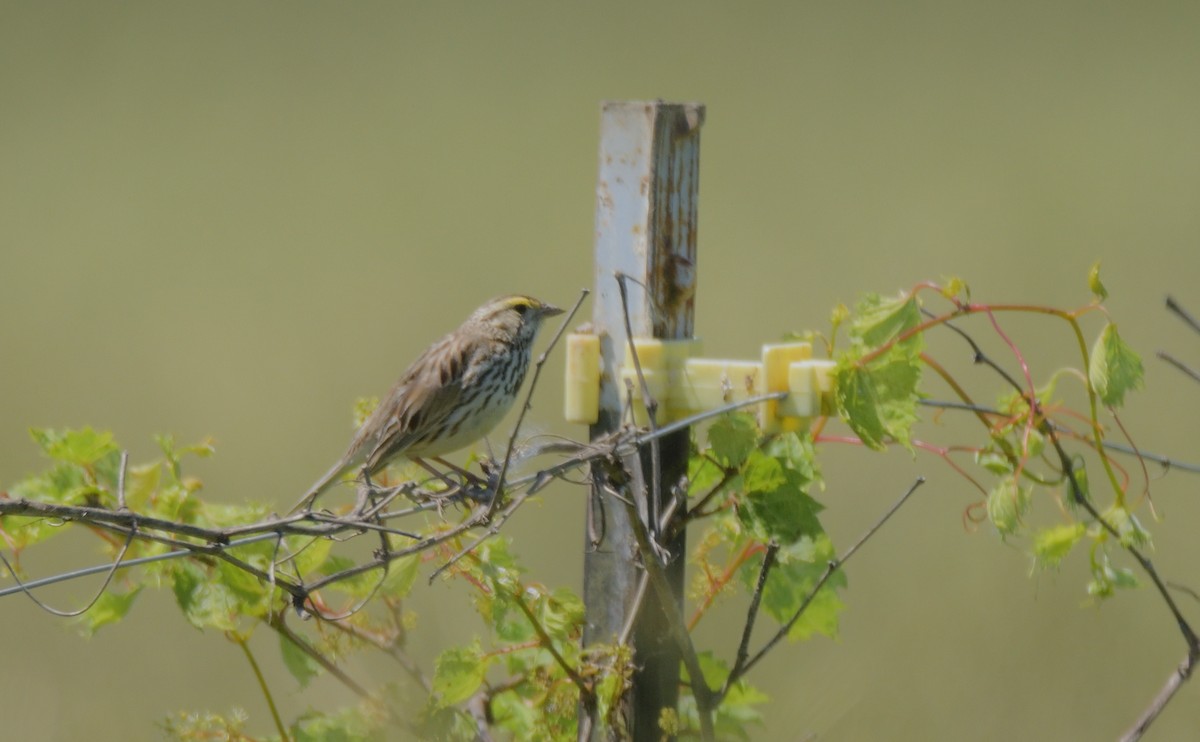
549	310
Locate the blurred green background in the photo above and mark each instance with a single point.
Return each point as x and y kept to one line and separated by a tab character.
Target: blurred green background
233	218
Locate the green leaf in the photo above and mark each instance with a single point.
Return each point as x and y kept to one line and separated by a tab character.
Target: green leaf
226	515
351	724
205	726
784	514
562	614
762	472
1079	470
794	452
302	667
858	405
141	482
1007	505
515	715
508	621
703	475
955	289
402	574
357	586
58	485
458	673
1114	368
311	553
618	667
109	608
1128	527
1106	579
995	461
252	596
878	320
496	560
879	399
798	569
838	316
205	602
735	713
445	725
713	668
1095	284
83	447
732	437
1052	545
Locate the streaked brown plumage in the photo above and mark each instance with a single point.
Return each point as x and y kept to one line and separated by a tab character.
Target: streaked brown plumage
452	395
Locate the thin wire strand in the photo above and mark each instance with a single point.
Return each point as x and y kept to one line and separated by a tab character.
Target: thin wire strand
25	588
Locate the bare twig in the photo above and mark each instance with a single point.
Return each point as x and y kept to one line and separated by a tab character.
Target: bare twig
743	653
635	608
537	372
705	700
1175	308
407	663
547	643
494	526
651	405
1184	589
1165	461
1192	373
276	622
101	516
323	524
1079	497
830	569
1174	682
697	510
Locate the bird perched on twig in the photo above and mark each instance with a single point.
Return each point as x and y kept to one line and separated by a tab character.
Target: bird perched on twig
452	395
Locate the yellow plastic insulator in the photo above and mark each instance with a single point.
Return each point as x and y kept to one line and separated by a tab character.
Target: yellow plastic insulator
710	383
581	396
684	385
823	373
777	362
809	384
662	363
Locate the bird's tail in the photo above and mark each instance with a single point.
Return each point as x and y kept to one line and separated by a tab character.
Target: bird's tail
320	486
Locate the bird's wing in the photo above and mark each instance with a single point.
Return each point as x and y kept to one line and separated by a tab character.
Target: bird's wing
418	404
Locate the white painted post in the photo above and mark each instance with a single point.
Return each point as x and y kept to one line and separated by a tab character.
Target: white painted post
646	206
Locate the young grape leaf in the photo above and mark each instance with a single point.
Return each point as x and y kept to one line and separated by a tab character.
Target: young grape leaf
732	437
302	667
1052	545
458	673
1114	367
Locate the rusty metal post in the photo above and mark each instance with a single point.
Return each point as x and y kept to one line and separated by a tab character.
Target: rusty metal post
646	206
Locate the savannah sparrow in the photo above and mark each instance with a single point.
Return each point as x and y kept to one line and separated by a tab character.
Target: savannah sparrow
452	395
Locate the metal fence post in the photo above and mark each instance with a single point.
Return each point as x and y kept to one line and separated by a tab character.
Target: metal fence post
646	206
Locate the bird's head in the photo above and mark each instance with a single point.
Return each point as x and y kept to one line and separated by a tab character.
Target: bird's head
515	318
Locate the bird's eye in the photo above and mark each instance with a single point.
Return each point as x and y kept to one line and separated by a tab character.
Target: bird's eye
521	309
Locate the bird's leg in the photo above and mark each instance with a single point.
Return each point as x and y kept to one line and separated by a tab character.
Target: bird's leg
366	496
454	487
466	475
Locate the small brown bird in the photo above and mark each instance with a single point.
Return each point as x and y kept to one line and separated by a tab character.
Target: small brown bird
452	395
